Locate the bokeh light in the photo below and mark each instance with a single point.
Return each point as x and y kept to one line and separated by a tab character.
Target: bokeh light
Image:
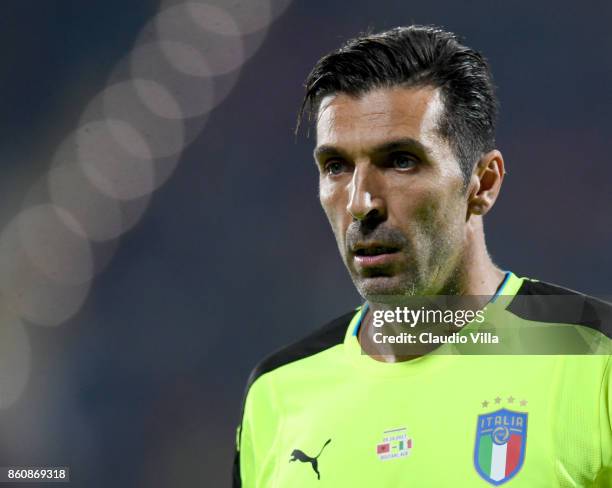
116	158
209	30
53	248
248	16
158	99
15	356
98	215
194	91
35	283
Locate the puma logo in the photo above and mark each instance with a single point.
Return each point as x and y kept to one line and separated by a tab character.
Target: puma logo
298	455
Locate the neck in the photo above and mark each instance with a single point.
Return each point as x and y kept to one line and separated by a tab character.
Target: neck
478	275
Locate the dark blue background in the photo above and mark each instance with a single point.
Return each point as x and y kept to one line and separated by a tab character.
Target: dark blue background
234	257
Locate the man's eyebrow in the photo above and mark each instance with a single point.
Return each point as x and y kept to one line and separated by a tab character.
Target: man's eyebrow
326	150
384	147
403	143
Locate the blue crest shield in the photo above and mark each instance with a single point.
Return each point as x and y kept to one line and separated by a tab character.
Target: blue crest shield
501	439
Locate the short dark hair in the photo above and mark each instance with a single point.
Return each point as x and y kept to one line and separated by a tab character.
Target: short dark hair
416	56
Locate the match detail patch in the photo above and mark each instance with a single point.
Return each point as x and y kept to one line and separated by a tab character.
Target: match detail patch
395	444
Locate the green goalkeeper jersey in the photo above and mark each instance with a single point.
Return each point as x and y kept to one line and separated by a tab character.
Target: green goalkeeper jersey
320	413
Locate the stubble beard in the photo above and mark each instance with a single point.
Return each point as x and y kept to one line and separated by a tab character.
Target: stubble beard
438	272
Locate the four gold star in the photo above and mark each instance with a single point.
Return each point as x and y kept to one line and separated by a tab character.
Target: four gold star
498	401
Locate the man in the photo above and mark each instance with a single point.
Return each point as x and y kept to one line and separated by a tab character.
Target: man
405	125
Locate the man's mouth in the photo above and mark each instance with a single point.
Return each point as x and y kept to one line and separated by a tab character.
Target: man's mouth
375	251
373	255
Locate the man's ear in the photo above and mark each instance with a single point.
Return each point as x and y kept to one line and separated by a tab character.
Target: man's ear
485	183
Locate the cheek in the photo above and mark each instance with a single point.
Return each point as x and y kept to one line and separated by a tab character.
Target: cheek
330	199
438	215
327	192
428	209
326	202
335	209
417	207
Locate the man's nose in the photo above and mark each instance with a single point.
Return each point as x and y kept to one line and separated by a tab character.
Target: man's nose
365	199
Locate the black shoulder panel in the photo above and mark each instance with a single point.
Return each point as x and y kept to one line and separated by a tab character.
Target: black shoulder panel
543	302
329	335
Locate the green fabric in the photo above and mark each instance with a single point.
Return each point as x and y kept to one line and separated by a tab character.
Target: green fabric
354	400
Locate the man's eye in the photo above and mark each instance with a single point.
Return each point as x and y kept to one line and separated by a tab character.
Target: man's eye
403	161
334	167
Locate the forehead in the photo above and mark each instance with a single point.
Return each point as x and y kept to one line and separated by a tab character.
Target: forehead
355	123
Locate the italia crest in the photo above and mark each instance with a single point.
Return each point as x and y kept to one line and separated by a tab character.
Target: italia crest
501	439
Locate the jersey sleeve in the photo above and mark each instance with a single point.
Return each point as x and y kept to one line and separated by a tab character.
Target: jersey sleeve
236	479
255	435
605	476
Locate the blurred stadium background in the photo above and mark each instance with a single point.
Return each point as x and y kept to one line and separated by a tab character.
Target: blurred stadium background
159	225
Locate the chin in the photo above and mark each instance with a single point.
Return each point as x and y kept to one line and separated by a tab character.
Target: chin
384	289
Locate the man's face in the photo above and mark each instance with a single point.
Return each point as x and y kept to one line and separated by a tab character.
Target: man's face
392	190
